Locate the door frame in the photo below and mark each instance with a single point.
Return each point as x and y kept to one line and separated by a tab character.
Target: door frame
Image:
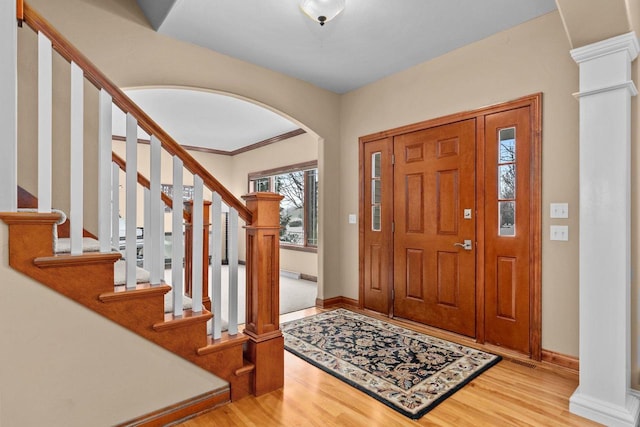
534	102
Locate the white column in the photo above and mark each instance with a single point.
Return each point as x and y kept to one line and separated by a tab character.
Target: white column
605	229
9	106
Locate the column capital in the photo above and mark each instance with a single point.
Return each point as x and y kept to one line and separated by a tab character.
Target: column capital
626	42
605	66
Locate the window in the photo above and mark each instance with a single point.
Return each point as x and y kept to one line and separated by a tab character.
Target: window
298	184
507	182
376	192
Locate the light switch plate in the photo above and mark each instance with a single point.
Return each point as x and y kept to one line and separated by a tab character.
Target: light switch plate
352	218
559	210
559	232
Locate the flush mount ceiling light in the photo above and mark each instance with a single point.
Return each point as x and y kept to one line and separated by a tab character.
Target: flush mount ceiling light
322	11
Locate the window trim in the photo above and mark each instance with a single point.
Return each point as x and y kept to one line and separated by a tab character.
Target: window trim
271	173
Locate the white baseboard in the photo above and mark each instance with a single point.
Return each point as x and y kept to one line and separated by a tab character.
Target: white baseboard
290	274
604	412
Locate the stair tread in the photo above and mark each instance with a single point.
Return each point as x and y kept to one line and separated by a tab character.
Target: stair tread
142	290
224	342
63	245
188	317
69	260
120	273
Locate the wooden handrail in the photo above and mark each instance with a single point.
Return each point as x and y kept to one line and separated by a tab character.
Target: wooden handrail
143	181
100	81
20	10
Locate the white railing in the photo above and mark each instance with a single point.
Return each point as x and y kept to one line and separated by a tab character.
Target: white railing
110	202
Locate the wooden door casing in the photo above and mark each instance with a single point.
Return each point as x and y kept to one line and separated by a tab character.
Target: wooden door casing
434	183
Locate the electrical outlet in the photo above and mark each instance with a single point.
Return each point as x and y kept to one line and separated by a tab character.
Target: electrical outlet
559	232
559	210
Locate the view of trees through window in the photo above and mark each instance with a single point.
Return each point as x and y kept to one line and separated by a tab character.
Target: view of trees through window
299	206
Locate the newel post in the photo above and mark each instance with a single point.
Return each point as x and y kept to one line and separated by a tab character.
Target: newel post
265	348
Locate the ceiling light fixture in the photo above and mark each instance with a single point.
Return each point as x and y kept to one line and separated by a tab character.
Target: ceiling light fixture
322	11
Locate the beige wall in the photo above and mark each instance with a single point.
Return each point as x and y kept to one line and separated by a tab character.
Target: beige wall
63	365
533	57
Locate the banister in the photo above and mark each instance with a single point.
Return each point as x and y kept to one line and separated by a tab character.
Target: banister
100	81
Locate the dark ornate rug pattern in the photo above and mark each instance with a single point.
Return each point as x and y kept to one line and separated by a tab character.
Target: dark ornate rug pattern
407	371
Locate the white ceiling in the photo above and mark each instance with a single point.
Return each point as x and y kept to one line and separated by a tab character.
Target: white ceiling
205	119
370	40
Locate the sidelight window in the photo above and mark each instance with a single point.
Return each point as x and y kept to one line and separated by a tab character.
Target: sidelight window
376	192
507	182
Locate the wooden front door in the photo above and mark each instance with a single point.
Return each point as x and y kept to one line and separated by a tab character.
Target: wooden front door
434	213
428	187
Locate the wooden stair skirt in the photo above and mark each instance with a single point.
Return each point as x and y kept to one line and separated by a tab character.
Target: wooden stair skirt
89	280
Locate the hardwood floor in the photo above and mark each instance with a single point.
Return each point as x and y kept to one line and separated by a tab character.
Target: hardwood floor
512	393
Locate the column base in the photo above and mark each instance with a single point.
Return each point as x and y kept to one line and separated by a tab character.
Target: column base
605	412
268	357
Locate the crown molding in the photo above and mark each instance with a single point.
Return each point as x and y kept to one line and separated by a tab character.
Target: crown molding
259	144
626	42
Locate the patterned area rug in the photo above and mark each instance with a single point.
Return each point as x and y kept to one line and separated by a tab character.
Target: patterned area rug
407	371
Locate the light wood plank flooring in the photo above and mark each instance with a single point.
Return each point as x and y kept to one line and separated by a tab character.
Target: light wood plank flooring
508	394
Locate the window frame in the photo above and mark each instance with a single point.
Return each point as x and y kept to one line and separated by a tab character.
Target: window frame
271	174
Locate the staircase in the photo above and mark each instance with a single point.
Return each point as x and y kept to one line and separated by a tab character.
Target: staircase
250	361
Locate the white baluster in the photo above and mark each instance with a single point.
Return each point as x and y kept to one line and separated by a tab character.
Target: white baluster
131	200
104	171
115	206
146	238
215	290
177	238
156	224
197	224
8	107
233	271
76	210
44	123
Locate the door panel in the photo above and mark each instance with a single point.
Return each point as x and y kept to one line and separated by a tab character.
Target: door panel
376	223
434	181
507	229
